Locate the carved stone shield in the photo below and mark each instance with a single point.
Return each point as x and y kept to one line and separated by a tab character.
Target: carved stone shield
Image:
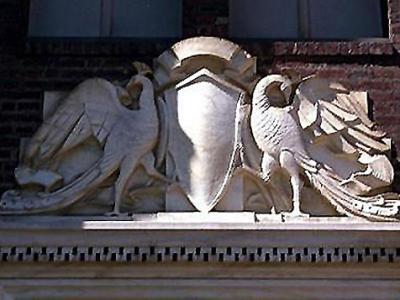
201	81
202	135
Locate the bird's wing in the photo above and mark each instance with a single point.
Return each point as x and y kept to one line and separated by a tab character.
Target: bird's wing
130	133
340	135
89	110
102	108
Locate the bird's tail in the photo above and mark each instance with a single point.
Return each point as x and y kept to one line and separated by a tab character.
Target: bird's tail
15	202
382	207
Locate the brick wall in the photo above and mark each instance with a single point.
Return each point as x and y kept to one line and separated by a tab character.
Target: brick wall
30	66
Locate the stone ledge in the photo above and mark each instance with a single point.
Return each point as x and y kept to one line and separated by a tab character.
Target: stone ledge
190	237
194	221
192	255
282	289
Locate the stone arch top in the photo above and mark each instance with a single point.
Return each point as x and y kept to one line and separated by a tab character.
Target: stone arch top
217	54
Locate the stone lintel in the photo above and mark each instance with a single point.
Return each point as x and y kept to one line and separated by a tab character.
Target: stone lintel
197	230
195	255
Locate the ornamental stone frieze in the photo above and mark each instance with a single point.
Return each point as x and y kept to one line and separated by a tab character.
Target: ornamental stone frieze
201	131
200	179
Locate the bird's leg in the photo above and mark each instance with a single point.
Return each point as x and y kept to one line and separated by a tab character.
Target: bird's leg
289	163
268	166
297	185
148	162
127	167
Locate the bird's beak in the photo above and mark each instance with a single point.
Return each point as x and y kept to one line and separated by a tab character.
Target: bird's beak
134	90
289	88
286	88
123	96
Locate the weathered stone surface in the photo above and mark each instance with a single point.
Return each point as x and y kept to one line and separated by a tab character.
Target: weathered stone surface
192	139
214	256
326	135
89	137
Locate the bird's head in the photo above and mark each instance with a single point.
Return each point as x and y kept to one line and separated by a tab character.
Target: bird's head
131	95
277	88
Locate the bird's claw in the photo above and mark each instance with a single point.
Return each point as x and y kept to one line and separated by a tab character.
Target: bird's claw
295	214
116	214
299	214
167	180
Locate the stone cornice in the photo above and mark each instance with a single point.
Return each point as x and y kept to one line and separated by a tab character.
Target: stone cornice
183	238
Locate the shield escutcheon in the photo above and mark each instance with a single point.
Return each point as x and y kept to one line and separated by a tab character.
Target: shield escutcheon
202	135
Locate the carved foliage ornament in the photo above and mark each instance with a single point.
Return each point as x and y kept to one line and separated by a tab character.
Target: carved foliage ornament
206	133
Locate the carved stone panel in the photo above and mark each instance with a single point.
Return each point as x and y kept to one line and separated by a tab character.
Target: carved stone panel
201	132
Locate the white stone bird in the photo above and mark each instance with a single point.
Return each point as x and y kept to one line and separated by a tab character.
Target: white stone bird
285	144
93	111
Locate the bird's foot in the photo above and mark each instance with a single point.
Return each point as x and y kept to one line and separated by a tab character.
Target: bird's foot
166	180
297	213
294	214
253	172
116	214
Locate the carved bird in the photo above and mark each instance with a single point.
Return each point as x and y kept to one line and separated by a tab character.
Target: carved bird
92	110
285	144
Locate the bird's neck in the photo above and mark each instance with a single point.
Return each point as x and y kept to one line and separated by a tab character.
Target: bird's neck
146	99
260	99
261	102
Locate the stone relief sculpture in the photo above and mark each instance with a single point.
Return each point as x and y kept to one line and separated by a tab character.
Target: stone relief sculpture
325	134
91	136
205	133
